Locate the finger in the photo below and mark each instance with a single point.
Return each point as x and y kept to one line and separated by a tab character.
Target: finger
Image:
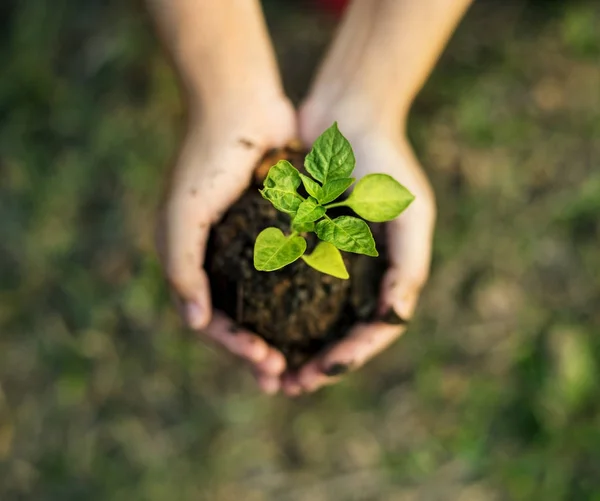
268	384
178	302
185	233
190	209
236	339
273	364
290	385
362	343
409	249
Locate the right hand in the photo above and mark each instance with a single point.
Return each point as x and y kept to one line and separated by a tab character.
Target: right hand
213	167
409	240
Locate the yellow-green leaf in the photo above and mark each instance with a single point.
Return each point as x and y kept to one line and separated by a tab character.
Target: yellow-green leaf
273	250
309	211
379	198
331	156
326	258
333	189
347	233
312	187
280	187
303	227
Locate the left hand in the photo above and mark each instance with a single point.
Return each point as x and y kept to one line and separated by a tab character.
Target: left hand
409	240
221	148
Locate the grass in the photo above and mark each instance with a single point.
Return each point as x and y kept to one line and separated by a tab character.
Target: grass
492	395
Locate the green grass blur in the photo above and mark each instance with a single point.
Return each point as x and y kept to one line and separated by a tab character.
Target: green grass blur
493	394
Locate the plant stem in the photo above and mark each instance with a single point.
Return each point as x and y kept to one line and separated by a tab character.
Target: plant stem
335	204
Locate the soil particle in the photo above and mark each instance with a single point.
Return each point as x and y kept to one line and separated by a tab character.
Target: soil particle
246	143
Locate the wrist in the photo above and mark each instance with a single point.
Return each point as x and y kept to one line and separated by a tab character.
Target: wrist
358	113
217	90
231	103
256	121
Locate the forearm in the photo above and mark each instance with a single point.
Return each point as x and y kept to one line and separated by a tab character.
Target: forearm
220	49
384	51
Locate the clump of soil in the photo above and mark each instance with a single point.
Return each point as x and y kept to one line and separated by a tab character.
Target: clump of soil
296	309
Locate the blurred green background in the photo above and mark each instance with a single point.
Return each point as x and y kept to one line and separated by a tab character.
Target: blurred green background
493	394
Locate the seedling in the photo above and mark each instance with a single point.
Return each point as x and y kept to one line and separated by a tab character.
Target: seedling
376	197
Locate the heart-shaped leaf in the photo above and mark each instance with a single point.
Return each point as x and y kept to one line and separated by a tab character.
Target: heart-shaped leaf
280	187
331	156
309	211
347	233
379	198
326	258
273	250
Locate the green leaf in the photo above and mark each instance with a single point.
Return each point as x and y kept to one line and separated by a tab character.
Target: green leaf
273	250
280	187
379	198
309	211
333	189
303	227
312	187
349	234
331	156
326	258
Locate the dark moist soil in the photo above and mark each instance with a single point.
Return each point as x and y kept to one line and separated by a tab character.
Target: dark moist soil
297	309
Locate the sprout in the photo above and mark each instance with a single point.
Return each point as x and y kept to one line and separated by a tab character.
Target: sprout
376	197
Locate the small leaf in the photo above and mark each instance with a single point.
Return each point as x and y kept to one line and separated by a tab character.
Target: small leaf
303	227
283	174
333	189
349	234
309	211
280	187
312	187
326	258
331	156
379	198
273	250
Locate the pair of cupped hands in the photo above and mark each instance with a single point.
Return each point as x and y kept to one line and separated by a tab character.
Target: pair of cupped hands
223	145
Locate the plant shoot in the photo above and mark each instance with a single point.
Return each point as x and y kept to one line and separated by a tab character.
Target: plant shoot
330	163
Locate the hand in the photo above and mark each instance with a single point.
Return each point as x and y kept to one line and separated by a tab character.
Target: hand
214	166
378	149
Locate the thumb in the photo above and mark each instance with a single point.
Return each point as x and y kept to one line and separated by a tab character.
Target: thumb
182	237
409	244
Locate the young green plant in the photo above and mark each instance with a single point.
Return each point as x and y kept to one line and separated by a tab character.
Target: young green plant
376	198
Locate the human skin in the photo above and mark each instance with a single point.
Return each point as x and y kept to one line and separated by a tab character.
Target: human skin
380	58
237	110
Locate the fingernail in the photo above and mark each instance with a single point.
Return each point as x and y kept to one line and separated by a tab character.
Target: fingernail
337	369
234	328
392	318
194	315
